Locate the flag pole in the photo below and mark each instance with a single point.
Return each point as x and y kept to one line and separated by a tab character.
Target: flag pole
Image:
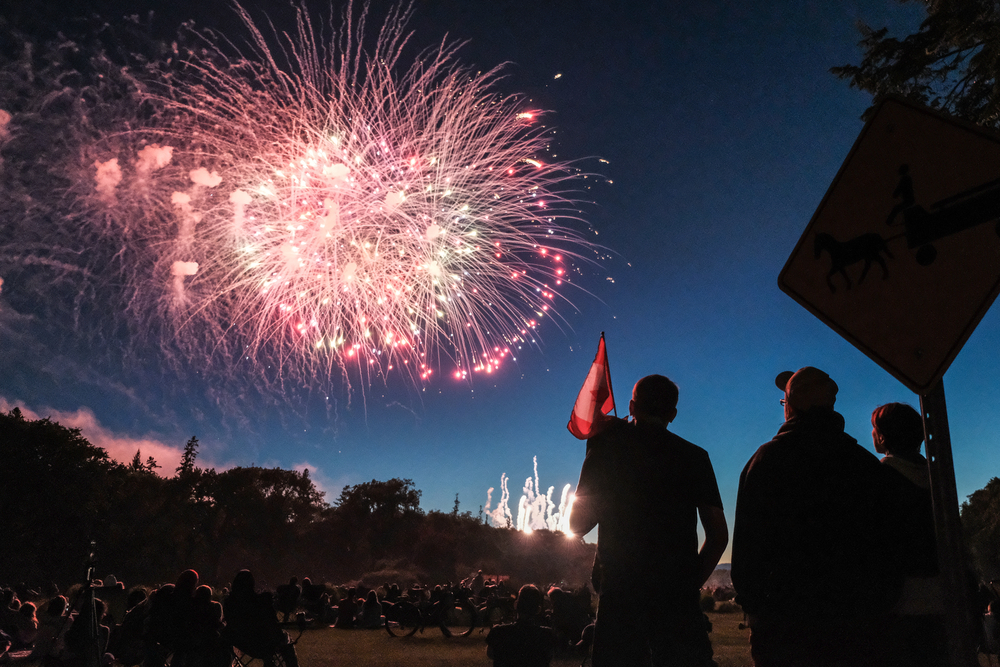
607	365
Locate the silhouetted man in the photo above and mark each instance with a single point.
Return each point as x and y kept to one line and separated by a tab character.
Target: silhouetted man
646	488
812	537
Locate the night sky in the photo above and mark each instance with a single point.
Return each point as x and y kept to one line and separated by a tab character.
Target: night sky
722	129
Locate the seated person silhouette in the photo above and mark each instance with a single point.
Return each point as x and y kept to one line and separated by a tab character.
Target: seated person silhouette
314	599
568	616
206	625
371	612
287	597
168	626
252	623
524	643
347	610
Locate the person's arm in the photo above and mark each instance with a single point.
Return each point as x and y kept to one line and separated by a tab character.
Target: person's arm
582	518
713	520
584	514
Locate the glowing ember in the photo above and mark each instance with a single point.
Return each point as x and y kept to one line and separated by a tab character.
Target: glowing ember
341	208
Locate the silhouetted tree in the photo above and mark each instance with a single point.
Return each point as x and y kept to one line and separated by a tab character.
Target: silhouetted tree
950	63
138	526
261	519
186	466
372	521
390	498
58	492
54	486
981	526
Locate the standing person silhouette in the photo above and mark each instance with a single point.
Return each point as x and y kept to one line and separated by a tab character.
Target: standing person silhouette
916	627
647	488
813	534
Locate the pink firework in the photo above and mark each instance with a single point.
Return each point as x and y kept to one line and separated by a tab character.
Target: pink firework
315	205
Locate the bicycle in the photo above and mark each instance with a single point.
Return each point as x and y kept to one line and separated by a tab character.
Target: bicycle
453	612
496	611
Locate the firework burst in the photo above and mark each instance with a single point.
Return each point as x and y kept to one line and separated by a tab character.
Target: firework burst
311	204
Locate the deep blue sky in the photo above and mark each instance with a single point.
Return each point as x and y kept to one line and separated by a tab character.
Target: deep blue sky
722	129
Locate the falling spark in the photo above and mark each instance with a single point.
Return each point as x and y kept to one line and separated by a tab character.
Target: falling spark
341	196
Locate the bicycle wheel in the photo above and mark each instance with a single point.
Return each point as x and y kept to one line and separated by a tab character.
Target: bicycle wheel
402	620
468	616
459	619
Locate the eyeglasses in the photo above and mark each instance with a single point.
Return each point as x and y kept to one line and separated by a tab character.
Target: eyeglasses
781	400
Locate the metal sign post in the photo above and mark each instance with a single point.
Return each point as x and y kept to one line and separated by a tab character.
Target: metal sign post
951	554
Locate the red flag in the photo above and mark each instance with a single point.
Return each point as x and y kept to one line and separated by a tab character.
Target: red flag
595	400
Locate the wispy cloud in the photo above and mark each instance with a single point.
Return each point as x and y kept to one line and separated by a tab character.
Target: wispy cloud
122	447
119	447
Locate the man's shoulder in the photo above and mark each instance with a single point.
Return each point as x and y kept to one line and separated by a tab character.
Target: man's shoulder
772	448
613	430
826	432
622	431
800	448
626	441
778	453
682	444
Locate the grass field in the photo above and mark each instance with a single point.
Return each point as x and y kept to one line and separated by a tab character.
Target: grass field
328	647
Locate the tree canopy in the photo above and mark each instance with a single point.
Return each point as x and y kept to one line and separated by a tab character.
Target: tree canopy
391	498
59	492
951	63
53	487
981	526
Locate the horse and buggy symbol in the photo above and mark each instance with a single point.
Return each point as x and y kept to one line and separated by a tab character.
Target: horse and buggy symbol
921	228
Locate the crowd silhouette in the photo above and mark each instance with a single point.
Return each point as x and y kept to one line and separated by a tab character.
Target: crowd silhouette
187	623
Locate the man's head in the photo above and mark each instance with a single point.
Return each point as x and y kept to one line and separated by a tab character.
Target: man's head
805	389
187	582
897	429
654	399
529	601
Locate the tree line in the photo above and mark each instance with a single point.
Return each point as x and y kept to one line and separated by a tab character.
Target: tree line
60	494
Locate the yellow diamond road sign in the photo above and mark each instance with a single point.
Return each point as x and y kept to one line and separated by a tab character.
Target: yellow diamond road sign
902	257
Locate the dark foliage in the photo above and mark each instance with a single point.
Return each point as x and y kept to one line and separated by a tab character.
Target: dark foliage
950	63
59	492
981	526
53	487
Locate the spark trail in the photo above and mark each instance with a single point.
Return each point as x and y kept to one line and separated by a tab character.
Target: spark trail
535	510
311	205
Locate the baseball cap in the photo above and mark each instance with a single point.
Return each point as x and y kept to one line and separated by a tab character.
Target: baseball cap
807	387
